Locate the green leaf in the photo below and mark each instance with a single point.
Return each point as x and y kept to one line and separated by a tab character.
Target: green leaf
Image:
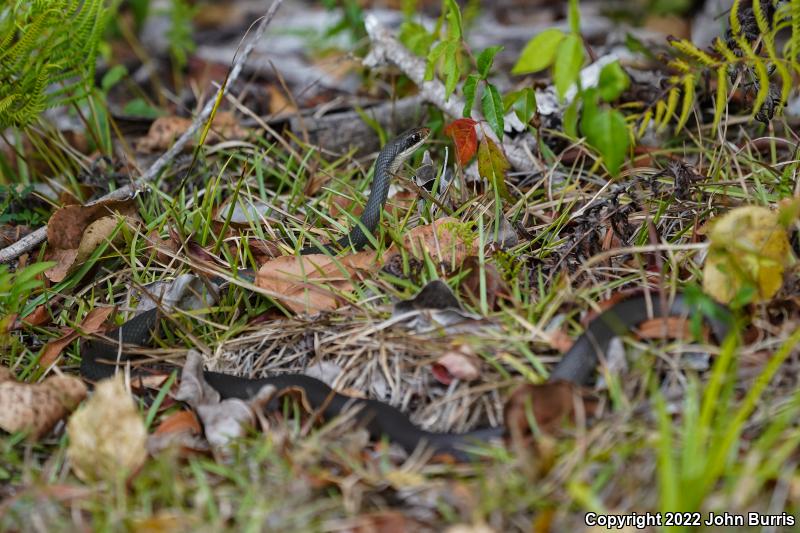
433	56
613	81
539	53
470	85
569	60
415	37
607	132
570	119
485	60
139	108
523	102
454	25
574	16
492	165
112	77
451	69
493	110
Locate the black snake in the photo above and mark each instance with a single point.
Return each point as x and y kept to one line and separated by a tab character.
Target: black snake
381	419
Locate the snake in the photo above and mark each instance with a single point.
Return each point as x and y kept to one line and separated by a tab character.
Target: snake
101	356
390	159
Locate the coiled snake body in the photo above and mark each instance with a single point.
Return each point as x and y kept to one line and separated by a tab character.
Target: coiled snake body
381	419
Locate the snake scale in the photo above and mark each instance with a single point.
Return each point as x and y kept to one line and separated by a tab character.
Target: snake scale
578	365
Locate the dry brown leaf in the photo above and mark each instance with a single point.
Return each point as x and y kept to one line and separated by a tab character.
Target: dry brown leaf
37	317
75	231
459	362
550	404
496	287
672	327
95	234
65	228
165	130
387	521
439	240
310	283
107	436
92	323
181	430
37	407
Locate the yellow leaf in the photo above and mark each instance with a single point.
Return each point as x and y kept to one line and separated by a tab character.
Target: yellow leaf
492	165
107	437
749	248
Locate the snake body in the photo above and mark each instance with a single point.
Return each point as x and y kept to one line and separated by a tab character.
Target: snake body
389	161
381	419
578	366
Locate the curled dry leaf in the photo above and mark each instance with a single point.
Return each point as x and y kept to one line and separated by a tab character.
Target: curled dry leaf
749	248
180	430
165	130
317	282
36	407
550	404
92	236
311	283
460	362
446	240
496	287
107	436
92	323
223	420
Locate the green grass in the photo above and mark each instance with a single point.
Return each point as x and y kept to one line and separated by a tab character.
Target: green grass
668	437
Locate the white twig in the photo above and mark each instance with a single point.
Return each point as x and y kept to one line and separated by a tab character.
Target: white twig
35	238
386	48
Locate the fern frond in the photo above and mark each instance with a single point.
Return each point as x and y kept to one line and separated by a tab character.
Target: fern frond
733	19
721	99
645	121
688	48
47	43
687	101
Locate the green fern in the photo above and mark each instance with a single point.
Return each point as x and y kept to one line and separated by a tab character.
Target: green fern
747	58
48	49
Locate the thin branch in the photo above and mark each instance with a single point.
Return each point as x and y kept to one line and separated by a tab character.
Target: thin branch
35	238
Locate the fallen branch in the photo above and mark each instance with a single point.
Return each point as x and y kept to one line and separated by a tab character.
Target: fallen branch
386	48
35	238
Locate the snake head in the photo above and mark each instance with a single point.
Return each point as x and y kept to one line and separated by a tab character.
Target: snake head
412	139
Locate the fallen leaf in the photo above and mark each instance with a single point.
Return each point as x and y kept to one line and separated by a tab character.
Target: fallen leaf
446	239
496	287
75	231
465	138
672	327
749	248
37	317
165	130
107	436
180	430
493	165
460	362
66	226
223	420
92	323
311	283
36	407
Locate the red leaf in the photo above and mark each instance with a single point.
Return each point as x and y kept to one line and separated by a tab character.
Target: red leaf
465	138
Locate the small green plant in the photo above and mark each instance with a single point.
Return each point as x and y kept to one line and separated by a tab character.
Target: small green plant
605	128
747	58
47	55
16	287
